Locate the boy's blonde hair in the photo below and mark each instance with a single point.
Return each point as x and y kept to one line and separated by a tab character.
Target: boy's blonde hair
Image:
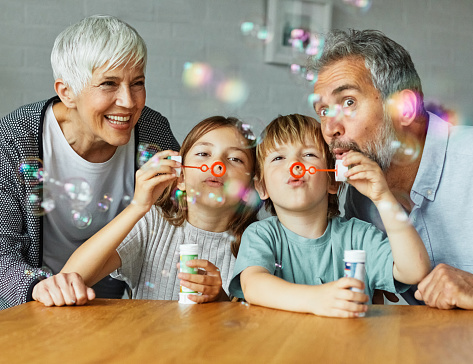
295	129
174	208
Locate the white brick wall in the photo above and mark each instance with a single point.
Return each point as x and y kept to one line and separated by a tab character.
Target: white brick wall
436	32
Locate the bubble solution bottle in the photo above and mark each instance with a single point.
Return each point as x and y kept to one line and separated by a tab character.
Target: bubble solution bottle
355	267
187	252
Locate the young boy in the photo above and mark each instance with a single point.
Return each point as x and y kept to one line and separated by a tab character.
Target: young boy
294	261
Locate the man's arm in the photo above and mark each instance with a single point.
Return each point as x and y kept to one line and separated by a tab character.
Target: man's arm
447	287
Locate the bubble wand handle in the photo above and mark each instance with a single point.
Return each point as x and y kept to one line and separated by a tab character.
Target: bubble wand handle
205	168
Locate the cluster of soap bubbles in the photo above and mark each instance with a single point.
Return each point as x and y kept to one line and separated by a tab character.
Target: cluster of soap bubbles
42	273
255	32
45	192
145	152
201	76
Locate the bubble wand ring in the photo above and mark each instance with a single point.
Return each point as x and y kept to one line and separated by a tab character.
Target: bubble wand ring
205	168
311	170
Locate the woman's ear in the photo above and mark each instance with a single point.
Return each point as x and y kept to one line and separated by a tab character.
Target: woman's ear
261	189
65	93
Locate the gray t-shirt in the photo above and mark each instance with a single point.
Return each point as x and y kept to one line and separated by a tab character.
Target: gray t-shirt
150	252
296	259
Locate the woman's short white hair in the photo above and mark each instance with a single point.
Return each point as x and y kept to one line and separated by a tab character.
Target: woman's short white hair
90	44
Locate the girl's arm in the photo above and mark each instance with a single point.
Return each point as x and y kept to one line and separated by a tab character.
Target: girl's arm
411	261
333	299
97	257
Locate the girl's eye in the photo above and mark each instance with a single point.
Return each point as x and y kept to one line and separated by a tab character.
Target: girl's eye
202	154
310	155
235	159
348	103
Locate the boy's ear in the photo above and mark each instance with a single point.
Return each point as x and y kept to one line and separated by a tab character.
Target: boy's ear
65	93
261	189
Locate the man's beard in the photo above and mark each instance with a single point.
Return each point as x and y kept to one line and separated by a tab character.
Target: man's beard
378	149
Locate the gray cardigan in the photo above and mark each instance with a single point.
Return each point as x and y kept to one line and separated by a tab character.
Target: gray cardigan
21	244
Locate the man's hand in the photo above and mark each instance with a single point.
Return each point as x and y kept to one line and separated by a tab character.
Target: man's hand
446	287
63	289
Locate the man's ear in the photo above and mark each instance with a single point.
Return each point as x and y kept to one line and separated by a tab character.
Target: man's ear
65	93
403	106
261	189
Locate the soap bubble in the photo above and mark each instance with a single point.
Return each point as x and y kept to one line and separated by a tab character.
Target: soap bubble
81	219
145	152
104	204
406	150
232	91
126	200
278	266
312	99
197	75
361	6
40	201
30	171
78	191
301	73
177	197
252	129
149	285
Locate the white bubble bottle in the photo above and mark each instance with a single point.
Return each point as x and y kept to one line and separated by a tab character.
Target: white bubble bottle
187	252
355	267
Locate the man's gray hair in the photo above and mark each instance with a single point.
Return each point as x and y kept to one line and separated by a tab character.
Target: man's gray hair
390	65
90	44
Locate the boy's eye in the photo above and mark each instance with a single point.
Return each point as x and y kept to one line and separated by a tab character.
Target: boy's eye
310	155
278	158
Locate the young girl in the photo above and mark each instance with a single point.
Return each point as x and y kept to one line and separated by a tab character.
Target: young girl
204	205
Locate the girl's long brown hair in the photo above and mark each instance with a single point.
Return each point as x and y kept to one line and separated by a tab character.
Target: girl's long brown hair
174	208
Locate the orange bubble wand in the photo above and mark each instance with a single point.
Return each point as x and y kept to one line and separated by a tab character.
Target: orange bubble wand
205	168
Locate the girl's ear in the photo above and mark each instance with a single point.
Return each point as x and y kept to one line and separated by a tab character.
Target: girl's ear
261	189
333	187
65	93
181	181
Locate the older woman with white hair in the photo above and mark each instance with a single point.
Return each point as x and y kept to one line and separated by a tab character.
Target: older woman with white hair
68	162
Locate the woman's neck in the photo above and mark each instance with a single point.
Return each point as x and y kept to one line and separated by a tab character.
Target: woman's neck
78	137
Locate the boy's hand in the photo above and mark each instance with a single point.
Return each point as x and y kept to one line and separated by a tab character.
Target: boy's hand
153	177
63	289
366	176
337	300
208	281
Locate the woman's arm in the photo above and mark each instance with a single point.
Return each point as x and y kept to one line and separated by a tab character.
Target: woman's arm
97	257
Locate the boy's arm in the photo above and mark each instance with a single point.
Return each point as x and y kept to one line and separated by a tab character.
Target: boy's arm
411	261
333	299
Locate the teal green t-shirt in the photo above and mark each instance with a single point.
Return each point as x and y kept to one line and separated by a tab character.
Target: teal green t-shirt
296	259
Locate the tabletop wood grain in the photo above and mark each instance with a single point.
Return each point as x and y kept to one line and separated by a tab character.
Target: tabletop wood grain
144	331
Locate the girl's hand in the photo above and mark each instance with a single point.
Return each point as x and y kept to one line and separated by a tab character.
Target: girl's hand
153	177
366	176
335	299
208	281
63	289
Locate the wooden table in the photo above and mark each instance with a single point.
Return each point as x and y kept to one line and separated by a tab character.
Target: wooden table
141	331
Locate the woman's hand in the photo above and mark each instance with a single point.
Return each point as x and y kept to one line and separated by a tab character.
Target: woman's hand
366	176
208	281
63	289
153	177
